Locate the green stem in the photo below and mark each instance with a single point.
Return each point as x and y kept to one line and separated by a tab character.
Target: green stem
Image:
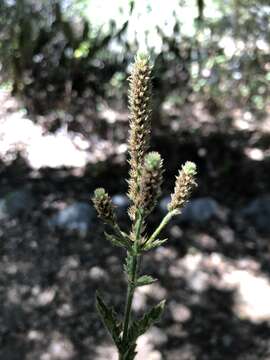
163	223
133	278
130	293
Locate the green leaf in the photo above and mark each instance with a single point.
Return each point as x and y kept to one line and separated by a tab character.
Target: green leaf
117	240
141	326
154	244
145	280
109	319
113	239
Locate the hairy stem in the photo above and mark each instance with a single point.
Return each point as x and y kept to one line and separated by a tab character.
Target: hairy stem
163	223
133	278
130	293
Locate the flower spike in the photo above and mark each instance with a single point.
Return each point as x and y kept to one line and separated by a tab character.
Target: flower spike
104	206
140	124
184	184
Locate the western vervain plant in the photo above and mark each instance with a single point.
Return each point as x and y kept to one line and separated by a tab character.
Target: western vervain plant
145	179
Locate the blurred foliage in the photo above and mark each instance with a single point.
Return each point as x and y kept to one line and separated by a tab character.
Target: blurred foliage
50	52
232	58
226	62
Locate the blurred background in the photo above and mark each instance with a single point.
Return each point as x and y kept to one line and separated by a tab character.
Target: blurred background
64	66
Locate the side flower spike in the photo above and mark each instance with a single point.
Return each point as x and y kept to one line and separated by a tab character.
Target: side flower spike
104	206
184	184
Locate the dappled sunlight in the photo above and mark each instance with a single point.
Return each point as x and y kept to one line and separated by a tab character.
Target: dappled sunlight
179	312
256	154
41	149
59	348
147	343
146	347
155	290
42	297
252	294
251	286
49	150
105	351
245	120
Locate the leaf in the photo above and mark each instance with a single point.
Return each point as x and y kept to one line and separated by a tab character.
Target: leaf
145	280
141	326
153	244
110	321
117	240
113	239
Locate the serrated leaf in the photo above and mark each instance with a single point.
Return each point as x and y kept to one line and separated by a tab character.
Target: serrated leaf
113	239
117	240
141	326
108	316
154	244
145	280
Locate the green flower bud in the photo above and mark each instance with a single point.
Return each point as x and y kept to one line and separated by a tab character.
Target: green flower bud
152	161
190	168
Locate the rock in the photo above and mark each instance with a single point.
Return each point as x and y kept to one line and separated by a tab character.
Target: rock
76	217
164	203
3	210
16	203
202	210
198	211
122	203
258	213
